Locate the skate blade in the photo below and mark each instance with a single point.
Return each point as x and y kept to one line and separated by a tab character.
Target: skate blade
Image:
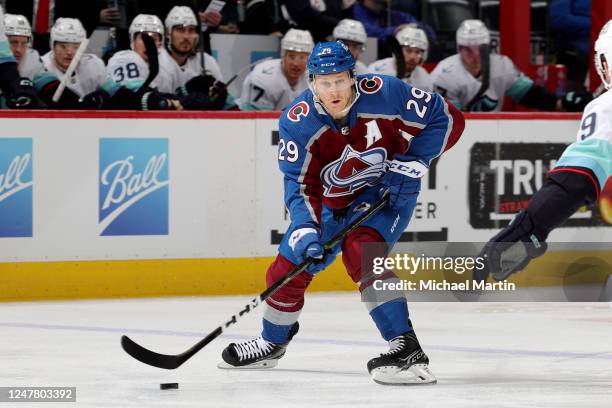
417	374
261	365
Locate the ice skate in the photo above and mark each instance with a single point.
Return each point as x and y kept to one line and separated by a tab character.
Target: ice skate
257	353
404	364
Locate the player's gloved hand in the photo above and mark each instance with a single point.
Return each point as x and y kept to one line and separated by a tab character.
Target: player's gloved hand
218	95
511	249
575	101
159	101
402	181
305	243
94	100
22	95
200	83
46	84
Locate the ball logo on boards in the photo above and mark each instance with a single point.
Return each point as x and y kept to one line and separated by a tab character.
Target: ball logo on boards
133	187
16	187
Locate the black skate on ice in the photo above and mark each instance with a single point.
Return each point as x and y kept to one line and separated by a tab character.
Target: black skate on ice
404	364
255	353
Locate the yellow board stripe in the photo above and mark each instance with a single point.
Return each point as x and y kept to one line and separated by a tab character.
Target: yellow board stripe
199	277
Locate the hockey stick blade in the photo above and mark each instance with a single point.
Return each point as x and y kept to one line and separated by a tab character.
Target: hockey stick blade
172	361
152	56
396	50
485	69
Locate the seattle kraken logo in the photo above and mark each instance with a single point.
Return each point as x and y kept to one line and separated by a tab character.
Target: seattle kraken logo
133	187
352	171
16	187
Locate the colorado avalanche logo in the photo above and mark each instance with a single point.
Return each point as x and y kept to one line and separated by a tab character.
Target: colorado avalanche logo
352	171
296	112
371	85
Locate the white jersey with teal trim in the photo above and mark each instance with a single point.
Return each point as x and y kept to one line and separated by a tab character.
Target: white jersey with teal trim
593	147
266	88
361	68
31	64
419	77
6	55
129	69
455	83
89	75
174	75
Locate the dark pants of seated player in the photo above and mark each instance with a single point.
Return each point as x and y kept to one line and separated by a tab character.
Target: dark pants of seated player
389	310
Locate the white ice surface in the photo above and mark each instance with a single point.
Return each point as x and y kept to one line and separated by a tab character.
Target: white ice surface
484	354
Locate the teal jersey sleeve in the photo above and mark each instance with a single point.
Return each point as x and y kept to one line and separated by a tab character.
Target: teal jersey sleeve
593	147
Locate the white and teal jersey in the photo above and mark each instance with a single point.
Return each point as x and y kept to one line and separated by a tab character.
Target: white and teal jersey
361	68
31	65
593	147
455	83
419	77
129	69
172	75
266	88
6	55
89	75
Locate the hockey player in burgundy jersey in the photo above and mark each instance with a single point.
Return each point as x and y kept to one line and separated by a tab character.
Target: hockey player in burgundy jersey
342	143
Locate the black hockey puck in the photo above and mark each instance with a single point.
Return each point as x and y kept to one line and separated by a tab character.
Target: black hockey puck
168	386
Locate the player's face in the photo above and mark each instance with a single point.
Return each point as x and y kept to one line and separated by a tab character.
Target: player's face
413	57
64	53
354	47
335	91
19	46
470	57
139	46
294	65
184	39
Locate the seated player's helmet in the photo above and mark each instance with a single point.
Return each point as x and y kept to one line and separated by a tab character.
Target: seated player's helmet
297	40
415	38
472	32
351	30
180	16
603	53
330	58
68	30
15	24
146	23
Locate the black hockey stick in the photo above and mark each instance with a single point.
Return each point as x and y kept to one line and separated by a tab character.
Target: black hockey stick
396	50
172	361
485	70
152	53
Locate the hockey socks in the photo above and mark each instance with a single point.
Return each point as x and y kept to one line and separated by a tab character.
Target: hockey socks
391	318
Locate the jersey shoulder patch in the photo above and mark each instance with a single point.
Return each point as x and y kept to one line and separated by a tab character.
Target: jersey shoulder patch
298	111
370	84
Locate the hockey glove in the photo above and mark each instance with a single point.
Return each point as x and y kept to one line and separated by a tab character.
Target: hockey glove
95	100
511	249
46	84
305	243
218	95
403	182
159	101
22	95
576	101
200	83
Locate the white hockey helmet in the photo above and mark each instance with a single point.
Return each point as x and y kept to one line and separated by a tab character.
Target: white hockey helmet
15	24
68	30
146	23
603	53
297	40
180	16
472	32
413	37
351	30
